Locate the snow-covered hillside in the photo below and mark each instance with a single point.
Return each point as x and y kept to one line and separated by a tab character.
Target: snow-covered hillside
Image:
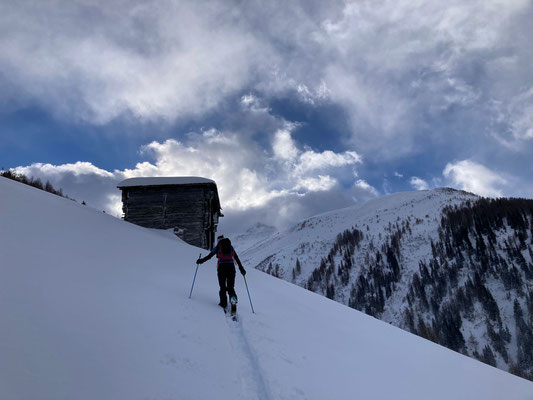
312	239
252	236
92	307
394	259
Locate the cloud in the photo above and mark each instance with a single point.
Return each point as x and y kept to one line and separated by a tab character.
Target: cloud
83	182
364	190
283	145
519	114
254	104
307	167
393	67
99	60
225	157
322	183
476	178
311	161
401	66
418	183
403	78
248	177
79	169
282	212
313	96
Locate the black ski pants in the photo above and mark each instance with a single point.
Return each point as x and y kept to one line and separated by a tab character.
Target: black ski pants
226	280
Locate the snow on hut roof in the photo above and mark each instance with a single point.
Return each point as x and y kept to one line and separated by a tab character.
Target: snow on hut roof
157	181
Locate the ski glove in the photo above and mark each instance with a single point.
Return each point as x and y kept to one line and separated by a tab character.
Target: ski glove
243	271
200	261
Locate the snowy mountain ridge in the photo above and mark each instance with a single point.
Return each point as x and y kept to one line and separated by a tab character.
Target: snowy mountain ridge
311	239
92	307
394	259
253	235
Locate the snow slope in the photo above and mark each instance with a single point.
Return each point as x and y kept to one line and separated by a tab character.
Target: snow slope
414	219
255	234
92	307
310	240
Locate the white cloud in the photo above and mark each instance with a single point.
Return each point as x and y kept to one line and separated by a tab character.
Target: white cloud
363	185
234	164
250	178
83	182
387	64
306	168
158	59
322	183
476	178
78	169
283	145
253	103
398	65
311	160
521	110
418	183
313	96
247	176
383	61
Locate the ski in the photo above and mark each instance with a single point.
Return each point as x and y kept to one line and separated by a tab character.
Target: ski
231	308
233	301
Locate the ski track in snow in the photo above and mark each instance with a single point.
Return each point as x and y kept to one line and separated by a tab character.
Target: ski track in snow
252	382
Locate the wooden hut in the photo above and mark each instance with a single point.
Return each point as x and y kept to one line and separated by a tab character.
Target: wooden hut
189	205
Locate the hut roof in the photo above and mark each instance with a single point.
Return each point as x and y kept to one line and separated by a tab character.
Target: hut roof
159	181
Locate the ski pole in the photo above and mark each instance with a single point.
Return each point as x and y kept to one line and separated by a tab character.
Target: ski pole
249	298
194	279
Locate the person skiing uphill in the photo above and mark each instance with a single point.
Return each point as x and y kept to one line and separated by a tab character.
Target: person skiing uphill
226	270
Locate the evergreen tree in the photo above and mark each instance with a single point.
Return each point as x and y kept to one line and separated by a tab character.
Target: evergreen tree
298	267
488	356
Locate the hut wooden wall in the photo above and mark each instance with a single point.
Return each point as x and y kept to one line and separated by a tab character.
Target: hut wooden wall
188	207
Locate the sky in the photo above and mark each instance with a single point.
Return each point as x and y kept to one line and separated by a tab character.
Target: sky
293	108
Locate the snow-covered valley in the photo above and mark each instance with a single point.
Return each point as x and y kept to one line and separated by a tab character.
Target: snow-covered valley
92	307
